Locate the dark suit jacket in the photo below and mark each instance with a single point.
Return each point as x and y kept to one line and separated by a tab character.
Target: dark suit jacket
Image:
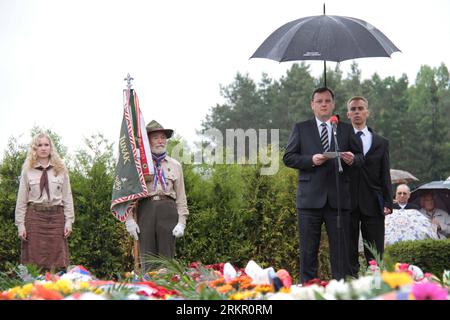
371	187
316	184
408	206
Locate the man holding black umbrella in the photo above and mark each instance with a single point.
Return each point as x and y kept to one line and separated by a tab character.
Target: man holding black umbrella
371	189
323	194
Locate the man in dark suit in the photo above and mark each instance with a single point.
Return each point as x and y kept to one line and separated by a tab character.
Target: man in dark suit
317	197
402	195
371	189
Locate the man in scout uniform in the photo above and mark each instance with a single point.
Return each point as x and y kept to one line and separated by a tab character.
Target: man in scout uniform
161	217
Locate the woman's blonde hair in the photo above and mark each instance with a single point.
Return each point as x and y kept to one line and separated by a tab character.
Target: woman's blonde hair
54	158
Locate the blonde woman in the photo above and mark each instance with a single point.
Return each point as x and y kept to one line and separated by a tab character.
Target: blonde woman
44	209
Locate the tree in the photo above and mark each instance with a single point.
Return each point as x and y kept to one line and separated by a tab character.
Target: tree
429	111
99	241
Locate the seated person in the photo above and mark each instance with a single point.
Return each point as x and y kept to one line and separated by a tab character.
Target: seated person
401	198
440	219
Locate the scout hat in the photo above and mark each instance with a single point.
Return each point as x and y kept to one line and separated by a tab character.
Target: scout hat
154	126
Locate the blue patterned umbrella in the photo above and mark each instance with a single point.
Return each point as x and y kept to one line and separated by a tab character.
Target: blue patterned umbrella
410	224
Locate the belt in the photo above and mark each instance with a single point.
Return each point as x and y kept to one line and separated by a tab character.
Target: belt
161	197
43	207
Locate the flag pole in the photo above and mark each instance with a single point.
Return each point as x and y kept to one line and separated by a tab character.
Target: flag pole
128	79
137	270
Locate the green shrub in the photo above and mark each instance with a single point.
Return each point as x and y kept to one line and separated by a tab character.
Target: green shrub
430	255
236	214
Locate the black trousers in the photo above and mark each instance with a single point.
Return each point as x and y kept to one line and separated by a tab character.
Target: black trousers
310	223
372	230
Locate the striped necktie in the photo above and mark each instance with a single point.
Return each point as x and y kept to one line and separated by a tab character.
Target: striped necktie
324	137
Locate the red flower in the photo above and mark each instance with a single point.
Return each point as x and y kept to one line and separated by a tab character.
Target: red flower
194	265
316	281
216	266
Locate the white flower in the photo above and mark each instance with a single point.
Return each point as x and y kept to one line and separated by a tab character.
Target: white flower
76	277
337	290
417	272
280	296
446	278
364	286
86	296
306	293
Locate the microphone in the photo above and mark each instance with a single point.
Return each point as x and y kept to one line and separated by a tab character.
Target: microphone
334	120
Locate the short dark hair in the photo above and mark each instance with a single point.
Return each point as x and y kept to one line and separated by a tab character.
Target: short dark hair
320	90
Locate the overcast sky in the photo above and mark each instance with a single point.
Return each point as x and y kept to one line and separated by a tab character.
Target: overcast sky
62	62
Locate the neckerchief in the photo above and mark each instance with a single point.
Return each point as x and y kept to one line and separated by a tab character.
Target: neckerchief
43	184
159	173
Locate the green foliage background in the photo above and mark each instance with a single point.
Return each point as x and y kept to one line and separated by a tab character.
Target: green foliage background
237	214
430	255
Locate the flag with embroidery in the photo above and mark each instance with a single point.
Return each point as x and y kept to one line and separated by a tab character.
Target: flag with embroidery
135	161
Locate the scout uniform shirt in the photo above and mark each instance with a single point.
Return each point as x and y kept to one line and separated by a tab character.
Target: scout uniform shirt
30	193
174	186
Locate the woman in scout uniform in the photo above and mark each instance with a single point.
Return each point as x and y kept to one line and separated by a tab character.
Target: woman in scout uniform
44	209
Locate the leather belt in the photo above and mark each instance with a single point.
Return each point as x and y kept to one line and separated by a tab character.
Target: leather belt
159	197
43	207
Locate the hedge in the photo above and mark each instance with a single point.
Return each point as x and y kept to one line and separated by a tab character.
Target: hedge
430	255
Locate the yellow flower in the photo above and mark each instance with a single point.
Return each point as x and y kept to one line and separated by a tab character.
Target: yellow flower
396	279
49	285
21	292
14	291
237	296
26	289
98	291
63	286
264	288
152	274
243	295
83	285
285	290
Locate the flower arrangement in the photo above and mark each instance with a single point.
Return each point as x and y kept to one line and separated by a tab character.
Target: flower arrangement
223	281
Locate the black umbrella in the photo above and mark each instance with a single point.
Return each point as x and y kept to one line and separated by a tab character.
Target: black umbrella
441	190
327	38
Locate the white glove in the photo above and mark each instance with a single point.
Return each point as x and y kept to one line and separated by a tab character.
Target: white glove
132	227
178	231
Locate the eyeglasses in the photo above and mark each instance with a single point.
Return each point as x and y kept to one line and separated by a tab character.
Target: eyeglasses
402	193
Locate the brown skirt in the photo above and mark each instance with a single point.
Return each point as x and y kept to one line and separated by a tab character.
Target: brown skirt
46	246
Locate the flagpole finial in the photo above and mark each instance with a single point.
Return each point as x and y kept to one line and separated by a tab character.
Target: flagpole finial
128	79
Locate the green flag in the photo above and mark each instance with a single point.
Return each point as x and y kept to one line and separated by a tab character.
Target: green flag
129	183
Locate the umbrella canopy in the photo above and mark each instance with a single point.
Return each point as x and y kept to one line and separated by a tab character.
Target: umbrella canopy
403	225
441	191
401	176
327	38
